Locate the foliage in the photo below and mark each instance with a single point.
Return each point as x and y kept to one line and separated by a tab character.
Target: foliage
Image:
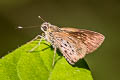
37	65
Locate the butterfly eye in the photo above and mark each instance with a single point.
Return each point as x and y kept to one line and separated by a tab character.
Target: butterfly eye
44	28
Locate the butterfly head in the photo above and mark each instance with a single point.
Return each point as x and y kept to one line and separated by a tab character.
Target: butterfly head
47	27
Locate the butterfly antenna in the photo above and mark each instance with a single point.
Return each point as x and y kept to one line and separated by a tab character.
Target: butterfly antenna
41	18
20	27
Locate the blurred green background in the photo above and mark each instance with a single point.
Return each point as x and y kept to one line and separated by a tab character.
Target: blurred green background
98	15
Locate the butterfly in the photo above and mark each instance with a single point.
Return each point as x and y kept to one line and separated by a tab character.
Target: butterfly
73	43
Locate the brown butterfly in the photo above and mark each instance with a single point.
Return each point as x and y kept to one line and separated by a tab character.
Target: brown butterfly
73	43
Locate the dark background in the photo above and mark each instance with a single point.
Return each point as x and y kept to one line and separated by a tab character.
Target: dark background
99	15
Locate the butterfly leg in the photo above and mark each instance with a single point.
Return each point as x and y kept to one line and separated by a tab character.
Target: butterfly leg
38	36
54	56
41	37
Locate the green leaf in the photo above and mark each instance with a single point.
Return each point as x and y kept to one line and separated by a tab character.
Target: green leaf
37	65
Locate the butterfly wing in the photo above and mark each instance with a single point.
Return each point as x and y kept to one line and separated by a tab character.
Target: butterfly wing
72	49
74	43
91	39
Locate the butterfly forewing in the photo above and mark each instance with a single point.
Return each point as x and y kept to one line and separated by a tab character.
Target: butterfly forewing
91	39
